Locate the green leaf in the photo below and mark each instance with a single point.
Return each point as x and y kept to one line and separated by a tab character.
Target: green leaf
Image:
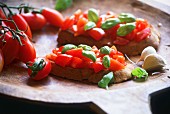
105	50
109	23
104	82
89	54
89	25
125	29
139	74
85	47
68	47
106	61
63	4
127	17
93	15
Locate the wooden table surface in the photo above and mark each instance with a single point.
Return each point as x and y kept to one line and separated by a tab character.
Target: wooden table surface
120	98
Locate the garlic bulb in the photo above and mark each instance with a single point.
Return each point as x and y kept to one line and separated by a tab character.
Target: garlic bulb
147	51
154	62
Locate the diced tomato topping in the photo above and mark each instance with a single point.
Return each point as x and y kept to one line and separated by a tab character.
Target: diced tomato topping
121	59
121	41
97	66
75	52
76	62
142	34
96	33
63	60
81	22
132	35
112	52
51	56
141	24
77	15
115	65
68	23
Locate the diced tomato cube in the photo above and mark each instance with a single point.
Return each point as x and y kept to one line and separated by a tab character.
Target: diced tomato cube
96	33
143	34
63	60
68	23
115	65
51	56
75	52
76	62
97	66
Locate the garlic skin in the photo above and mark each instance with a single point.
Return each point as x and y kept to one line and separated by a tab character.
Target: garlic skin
154	62
147	51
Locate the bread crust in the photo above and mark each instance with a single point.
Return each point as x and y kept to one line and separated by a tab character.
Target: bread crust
131	49
87	74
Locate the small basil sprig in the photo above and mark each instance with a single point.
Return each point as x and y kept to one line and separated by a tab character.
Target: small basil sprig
125	29
105	50
63	4
89	54
127	17
85	47
68	47
109	23
104	82
106	61
139	74
89	25
93	15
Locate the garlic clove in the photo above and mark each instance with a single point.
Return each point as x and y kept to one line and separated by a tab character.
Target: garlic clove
147	51
154	62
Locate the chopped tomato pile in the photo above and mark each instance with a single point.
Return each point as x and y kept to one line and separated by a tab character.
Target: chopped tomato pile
122	28
84	56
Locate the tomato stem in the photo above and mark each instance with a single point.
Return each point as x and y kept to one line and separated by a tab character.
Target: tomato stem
2	5
38	65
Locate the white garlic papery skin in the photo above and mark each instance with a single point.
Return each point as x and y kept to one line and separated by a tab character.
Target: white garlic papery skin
147	51
154	62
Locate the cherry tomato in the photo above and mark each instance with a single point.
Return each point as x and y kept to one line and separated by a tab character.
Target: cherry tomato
21	24
10	48
63	60
39	68
35	21
26	51
96	33
2	15
53	16
1	60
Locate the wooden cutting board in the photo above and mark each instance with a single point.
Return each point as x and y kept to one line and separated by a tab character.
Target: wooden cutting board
120	98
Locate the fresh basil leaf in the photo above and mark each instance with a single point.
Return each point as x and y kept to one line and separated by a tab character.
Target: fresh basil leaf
104	82
106	61
68	47
89	54
63	4
89	25
93	15
125	29
127	17
105	50
139	74
109	23
85	47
